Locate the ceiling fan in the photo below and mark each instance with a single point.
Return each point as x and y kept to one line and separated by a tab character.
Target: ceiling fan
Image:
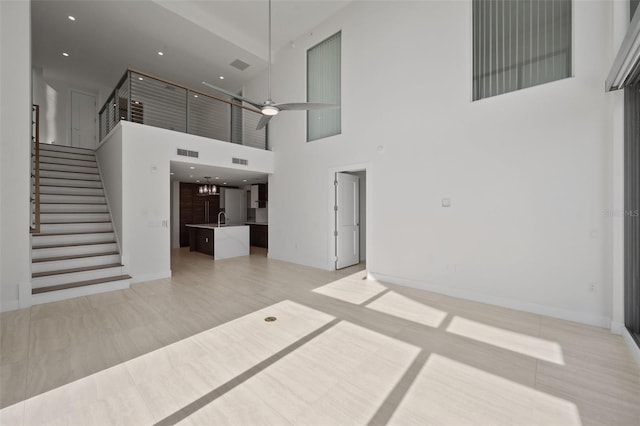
269	108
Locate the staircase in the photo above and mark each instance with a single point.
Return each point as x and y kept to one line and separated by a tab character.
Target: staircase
75	253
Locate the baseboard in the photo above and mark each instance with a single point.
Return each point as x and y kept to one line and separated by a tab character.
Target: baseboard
69	293
617	327
140	278
10	305
631	343
519	305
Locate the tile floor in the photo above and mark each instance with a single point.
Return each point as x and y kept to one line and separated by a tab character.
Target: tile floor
195	349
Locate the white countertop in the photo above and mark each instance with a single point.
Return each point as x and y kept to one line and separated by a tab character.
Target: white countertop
212	225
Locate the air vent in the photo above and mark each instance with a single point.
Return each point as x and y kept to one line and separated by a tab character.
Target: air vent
240	161
187	153
238	64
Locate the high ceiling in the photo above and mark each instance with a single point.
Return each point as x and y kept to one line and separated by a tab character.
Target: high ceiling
199	39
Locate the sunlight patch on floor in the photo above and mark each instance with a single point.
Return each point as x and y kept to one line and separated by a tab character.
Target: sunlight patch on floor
403	307
153	386
449	392
535	347
352	289
340	377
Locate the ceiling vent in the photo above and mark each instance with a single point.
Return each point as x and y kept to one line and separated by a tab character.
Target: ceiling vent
238	64
187	153
240	161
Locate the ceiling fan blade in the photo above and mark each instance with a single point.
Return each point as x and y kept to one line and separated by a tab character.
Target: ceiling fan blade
253	103
300	106
264	120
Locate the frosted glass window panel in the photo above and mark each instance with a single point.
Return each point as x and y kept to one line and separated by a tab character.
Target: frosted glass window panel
324	85
519	44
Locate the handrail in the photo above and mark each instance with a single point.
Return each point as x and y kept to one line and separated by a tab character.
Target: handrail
178	108
230	102
36	168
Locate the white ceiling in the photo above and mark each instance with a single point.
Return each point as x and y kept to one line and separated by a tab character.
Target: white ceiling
183	172
199	38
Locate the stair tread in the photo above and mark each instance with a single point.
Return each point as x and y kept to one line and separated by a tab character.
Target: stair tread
69	186
76	256
76	223
50	246
80	284
74	212
68	178
44	234
68	165
65	158
51	145
72	195
66	171
79	204
72	270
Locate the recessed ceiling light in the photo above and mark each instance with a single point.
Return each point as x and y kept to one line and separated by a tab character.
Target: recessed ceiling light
217	177
192	168
190	176
161	53
244	180
140	78
65	54
224	183
72	18
137	102
222	77
172	173
195	96
198	180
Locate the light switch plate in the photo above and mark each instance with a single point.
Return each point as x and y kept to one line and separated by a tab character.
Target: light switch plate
446	202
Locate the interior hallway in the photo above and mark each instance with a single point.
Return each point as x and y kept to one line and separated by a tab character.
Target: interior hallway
195	349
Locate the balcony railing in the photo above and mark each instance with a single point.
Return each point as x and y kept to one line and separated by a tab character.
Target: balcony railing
145	99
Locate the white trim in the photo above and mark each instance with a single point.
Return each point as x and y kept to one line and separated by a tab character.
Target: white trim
11	305
633	347
368	169
581	317
151	277
55	296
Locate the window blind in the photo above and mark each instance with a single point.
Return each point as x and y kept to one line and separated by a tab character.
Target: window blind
323	85
519	44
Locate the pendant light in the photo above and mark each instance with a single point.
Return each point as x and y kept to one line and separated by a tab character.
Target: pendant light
208	188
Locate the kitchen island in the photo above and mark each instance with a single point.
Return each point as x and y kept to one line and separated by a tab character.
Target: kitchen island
221	242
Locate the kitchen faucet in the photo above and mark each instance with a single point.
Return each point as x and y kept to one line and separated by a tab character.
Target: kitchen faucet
225	217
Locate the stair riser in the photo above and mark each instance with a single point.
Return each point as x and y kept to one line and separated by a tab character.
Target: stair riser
75	277
59	265
75	199
71	182
74	218
70	228
71	191
64	149
75	208
64	168
67	175
73	250
55	296
87	162
48	240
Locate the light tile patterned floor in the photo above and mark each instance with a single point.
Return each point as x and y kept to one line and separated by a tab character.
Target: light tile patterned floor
195	349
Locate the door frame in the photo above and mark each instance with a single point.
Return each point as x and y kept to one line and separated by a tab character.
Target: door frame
70	115
331	216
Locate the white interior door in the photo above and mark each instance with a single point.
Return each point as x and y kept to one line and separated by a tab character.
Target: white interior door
83	120
347	220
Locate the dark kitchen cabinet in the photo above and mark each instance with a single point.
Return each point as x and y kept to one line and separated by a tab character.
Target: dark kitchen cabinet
195	209
259	235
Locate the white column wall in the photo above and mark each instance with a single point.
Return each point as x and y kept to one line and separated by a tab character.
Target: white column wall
15	137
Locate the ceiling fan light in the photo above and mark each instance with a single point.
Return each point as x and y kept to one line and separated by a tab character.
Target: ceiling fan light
270	110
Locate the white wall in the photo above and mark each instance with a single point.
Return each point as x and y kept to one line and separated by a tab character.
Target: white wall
109	157
54	97
527	172
145	199
15	136
175	214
